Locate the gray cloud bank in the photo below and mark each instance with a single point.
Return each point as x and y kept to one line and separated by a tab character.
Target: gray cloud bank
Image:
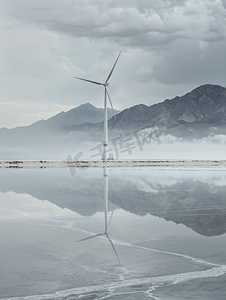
139	23
168	48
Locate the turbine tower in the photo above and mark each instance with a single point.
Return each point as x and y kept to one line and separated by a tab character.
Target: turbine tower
106	95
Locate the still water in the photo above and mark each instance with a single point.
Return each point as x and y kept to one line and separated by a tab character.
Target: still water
113	233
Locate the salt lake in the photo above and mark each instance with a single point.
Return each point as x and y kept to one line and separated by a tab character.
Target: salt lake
113	233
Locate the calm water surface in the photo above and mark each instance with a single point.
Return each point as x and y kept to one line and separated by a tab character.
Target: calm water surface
112	234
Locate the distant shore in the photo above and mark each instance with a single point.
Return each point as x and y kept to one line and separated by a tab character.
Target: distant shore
109	163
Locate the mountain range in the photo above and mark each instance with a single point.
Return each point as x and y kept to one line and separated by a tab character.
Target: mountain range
194	115
197	114
85	113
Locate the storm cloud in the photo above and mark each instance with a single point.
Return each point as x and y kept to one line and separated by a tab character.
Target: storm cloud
168	48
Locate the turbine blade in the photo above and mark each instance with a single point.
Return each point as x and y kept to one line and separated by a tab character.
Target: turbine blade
113	247
99	83
110	102
109	220
90	237
109	76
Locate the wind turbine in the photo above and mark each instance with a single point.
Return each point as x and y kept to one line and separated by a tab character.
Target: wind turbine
106	95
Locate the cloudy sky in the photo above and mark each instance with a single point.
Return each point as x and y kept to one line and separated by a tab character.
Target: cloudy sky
168	48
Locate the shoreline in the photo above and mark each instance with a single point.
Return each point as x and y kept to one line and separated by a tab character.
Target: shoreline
109	163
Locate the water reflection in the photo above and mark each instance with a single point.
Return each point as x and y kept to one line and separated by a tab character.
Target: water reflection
195	199
154	228
106	223
198	205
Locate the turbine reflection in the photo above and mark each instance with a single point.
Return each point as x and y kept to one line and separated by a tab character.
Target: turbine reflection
106	223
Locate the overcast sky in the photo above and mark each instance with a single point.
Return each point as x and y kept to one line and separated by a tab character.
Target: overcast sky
168	48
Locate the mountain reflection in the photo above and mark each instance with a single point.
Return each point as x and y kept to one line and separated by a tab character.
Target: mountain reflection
197	203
